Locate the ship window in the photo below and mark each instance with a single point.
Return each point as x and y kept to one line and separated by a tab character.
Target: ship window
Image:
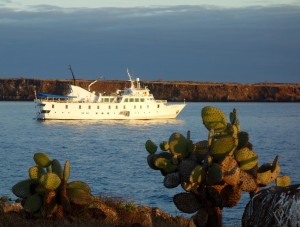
142	100
80	107
89	107
126	100
158	106
147	106
134	107
52	106
98	107
116	107
141	107
109	107
111	100
136	99
131	100
106	100
124	107
66	106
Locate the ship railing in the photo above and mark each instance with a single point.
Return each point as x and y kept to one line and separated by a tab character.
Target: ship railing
162	101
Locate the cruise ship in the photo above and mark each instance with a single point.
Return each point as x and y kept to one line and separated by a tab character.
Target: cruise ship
135	102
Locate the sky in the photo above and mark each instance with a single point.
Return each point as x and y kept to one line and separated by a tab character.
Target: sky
205	41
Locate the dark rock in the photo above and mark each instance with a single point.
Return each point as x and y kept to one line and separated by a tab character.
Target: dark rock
275	206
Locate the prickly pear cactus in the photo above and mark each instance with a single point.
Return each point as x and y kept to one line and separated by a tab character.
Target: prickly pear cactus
47	193
214	172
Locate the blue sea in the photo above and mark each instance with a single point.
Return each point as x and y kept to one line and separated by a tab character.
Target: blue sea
110	155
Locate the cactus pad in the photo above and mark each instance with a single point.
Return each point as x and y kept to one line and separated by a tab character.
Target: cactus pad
222	147
79	196
150	161
56	168
187	202
283	181
248	182
66	172
164	146
35	172
165	164
33	203
267	173
197	175
80	185
200	150
23	188
172	180
213	118
178	145
150	146
230	170
246	158
42	159
50	181
186	167
243	138
214	174
231	195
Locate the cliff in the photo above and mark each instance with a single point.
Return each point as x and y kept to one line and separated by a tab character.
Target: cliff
22	89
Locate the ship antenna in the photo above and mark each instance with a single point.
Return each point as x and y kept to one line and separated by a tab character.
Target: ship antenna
130	78
70	68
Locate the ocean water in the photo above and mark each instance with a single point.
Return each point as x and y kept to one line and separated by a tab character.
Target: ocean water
110	155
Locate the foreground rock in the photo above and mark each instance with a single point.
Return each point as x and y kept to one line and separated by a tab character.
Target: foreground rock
103	212
275	206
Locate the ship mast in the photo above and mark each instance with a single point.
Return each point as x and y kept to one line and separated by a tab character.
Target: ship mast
70	68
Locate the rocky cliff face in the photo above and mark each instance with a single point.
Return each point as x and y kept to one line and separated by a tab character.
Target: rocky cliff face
24	90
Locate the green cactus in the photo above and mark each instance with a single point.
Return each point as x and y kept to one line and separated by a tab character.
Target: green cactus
268	172
198	175
200	150
178	145
150	160
42	159
35	172
66	172
214	118
230	171
222	147
246	158
24	188
165	164
283	181
243	138
213	172
50	181
33	203
150	146
79	196
164	146
172	180
46	192
79	185
56	168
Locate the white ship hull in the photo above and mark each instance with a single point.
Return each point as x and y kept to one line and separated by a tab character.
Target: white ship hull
48	110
